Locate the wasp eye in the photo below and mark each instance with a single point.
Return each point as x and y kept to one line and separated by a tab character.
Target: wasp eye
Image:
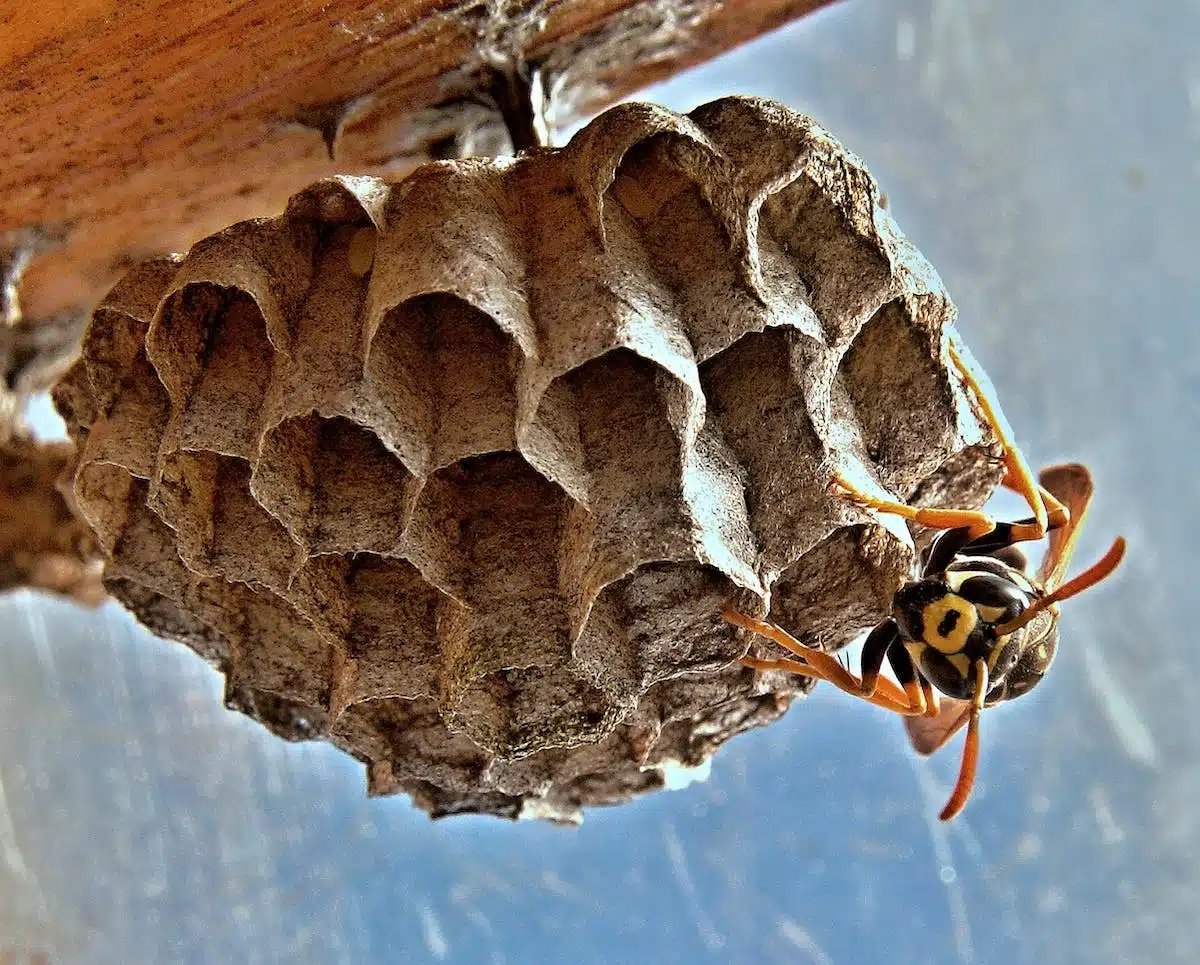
1012	556
997	598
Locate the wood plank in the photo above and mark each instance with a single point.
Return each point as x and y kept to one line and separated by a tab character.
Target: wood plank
136	127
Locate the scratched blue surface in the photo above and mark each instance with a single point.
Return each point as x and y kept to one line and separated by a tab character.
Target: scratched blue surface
1046	158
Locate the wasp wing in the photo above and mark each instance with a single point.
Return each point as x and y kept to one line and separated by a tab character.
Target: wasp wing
1071	485
928	734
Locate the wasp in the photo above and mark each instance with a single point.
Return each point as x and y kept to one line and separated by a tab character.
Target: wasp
973	623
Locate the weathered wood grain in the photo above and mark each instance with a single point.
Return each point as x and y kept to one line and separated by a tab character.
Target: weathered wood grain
135	127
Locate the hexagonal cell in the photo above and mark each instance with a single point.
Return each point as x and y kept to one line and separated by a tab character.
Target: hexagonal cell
571	277
516	712
685	244
388	617
106	495
488	532
630	413
274	650
143	548
130	433
326	339
758	397
221	529
337	202
210	347
842	586
453	231
551	440
410	736
900	392
444	372
117	333
113	342
658	622
846	275
334	485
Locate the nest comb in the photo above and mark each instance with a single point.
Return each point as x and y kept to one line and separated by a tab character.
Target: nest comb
456	472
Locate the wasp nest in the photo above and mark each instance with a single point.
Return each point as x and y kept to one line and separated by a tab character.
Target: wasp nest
457	472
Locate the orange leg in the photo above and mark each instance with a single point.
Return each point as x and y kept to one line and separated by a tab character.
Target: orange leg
888	696
1057	514
1047	511
977	522
1018	476
824	666
932	705
970	758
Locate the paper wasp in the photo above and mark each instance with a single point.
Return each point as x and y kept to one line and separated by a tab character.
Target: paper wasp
972	623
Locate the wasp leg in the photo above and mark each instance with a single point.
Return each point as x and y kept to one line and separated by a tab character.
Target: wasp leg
1048	512
888	695
876	648
933	706
918	689
1003	538
822	666
970	758
1018	476
947	545
789	666
827	667
975	522
1057	514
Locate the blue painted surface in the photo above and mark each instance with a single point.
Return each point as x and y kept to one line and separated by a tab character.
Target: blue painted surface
1046	158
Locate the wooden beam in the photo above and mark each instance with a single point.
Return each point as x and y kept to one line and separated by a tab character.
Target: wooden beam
136	128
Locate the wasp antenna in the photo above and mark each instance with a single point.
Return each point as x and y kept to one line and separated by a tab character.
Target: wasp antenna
970	758
966	772
1088	578
1094	573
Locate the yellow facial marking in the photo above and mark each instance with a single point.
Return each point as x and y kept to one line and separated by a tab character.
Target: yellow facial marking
996	651
934	617
961	663
990	613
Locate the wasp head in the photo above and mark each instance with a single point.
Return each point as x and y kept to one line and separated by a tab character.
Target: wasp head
949	621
